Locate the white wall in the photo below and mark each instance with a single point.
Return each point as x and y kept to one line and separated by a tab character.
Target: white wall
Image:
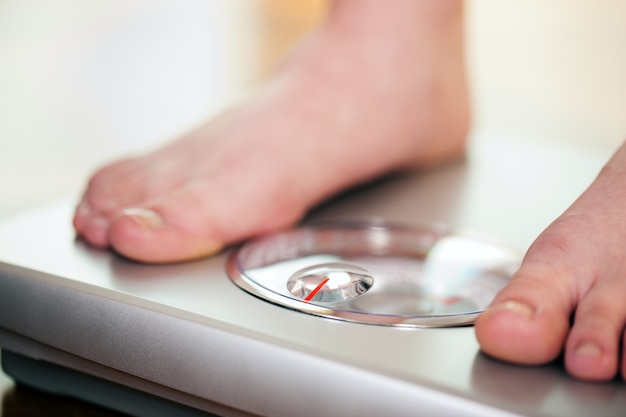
552	69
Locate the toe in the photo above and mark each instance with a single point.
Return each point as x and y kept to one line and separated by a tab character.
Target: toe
199	220
91	225
548	286
144	235
101	201
528	321
114	188
82	214
592	350
95	231
575	265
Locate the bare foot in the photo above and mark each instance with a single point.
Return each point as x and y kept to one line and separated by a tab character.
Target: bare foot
575	270
376	89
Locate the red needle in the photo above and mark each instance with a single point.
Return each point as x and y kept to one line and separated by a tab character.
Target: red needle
316	290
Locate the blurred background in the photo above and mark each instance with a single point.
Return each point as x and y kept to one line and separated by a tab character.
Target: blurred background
83	83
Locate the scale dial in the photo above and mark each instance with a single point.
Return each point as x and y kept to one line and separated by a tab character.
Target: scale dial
376	273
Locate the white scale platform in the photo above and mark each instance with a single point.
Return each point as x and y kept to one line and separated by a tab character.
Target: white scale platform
160	340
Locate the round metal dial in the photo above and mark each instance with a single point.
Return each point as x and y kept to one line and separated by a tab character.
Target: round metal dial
376	273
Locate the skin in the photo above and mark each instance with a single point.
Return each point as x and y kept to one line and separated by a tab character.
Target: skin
385	73
575	269
164	207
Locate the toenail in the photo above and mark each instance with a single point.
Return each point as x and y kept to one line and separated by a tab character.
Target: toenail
588	349
144	217
521	309
83	209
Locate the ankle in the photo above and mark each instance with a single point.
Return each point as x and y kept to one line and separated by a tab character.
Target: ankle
408	62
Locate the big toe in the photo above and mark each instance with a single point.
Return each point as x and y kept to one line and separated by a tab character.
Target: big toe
195	221
528	321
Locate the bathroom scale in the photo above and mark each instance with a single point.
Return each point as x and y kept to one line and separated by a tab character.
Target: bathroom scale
364	309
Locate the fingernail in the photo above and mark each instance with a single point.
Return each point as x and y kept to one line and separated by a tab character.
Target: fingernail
516	307
589	349
144	217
